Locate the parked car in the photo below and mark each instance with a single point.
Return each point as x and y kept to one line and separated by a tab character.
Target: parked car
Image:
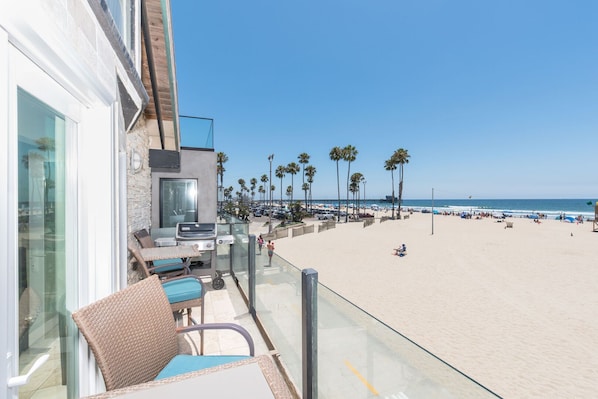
280	215
325	216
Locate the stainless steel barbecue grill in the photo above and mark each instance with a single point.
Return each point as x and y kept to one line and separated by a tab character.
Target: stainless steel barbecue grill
201	234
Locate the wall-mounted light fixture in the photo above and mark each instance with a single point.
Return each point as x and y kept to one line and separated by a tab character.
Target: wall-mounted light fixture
136	161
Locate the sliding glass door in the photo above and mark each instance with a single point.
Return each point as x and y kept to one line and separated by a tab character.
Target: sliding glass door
44	211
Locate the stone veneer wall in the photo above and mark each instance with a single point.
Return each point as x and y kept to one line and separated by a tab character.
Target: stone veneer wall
139	188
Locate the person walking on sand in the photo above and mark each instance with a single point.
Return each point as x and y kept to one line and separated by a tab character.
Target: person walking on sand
260	243
270	247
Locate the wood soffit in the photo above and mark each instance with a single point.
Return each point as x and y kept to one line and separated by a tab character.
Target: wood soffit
160	61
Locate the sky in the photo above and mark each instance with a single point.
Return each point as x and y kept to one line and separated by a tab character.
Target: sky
491	99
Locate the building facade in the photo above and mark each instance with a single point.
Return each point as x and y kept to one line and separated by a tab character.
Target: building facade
79	111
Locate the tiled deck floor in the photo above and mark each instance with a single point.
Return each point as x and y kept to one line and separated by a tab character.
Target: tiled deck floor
227	306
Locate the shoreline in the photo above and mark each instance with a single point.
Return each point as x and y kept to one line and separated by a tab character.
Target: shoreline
514	309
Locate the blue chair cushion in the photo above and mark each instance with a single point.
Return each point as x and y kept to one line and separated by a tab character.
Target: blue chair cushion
184	289
181	364
170	265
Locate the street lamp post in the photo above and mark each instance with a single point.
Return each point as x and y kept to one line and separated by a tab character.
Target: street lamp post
270	158
432	211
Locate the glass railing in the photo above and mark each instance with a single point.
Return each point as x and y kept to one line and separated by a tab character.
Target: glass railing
196	132
357	355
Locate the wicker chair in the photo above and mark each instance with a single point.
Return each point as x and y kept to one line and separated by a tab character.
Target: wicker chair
183	292
134	338
165	267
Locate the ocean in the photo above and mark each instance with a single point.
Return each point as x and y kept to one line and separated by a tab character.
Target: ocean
552	208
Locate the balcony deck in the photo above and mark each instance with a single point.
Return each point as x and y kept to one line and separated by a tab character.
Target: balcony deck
228	306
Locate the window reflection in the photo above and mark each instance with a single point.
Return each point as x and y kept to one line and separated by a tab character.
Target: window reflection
178	201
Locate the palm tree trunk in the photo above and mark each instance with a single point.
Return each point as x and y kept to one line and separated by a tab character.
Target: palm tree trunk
400	189
338	187
347	206
392	176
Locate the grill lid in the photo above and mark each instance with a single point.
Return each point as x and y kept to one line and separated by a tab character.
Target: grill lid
195	231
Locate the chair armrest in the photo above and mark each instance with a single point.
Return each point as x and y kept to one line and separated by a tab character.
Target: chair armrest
221	326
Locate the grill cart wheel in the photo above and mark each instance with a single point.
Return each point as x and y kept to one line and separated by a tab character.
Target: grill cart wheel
218	281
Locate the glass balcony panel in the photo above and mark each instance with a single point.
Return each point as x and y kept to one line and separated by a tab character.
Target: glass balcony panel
278	306
196	132
240	261
358	356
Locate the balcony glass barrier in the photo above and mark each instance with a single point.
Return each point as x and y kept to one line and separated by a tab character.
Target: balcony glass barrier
358	355
196	132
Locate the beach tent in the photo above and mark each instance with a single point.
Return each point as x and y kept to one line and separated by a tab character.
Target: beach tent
570	219
436	212
533	216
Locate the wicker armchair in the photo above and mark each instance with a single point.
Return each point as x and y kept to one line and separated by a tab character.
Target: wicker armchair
183	292
164	267
134	338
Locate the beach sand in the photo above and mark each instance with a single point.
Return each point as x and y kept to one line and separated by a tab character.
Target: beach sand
516	309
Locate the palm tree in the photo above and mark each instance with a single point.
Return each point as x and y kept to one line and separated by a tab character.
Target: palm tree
401	158
349	155
305	188
390	164
261	191
292	169
280	173
221	159
264	179
304	160
243	189
354	188
336	154
227	192
355	180
253	183
310	172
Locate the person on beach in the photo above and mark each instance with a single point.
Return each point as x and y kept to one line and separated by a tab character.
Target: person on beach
260	243
401	251
270	247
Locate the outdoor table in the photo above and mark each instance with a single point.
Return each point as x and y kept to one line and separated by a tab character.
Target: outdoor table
255	377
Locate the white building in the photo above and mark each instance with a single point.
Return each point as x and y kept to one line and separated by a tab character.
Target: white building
78	117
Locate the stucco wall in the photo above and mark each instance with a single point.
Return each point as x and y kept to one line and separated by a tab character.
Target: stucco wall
195	164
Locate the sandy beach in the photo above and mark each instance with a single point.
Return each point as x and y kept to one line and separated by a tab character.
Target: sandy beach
516	309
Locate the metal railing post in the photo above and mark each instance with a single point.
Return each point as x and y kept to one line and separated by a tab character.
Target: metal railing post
309	322
251	272
231	252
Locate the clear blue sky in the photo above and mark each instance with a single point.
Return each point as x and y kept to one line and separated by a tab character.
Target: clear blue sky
493	99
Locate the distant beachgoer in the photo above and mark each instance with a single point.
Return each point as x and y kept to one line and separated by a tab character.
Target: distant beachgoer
401	251
260	243
270	247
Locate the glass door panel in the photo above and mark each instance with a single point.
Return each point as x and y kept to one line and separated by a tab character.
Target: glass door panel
178	201
43	318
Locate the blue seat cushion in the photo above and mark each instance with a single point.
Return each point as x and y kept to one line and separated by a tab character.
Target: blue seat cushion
169	265
184	289
181	364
